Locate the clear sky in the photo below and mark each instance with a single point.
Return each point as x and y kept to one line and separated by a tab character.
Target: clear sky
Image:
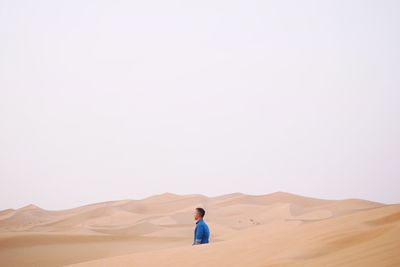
107	100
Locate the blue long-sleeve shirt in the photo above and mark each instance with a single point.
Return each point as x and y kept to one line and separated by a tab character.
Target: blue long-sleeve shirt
201	232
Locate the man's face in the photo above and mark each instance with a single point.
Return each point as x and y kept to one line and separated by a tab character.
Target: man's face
196	215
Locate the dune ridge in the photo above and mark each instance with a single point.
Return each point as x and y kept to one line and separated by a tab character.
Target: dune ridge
277	229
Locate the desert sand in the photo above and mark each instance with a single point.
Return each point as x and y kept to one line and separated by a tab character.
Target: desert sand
277	229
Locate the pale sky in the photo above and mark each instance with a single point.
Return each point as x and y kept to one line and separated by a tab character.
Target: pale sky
108	100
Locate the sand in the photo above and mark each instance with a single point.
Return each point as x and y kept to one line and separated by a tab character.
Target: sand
278	229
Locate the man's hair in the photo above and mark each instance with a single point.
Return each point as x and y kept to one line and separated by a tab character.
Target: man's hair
201	211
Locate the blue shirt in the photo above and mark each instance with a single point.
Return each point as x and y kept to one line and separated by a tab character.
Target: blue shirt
201	232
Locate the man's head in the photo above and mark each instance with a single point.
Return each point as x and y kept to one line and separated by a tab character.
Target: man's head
199	213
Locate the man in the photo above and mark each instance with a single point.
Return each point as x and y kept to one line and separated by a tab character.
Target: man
201	232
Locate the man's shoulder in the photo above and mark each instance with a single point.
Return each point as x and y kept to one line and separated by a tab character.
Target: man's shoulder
203	223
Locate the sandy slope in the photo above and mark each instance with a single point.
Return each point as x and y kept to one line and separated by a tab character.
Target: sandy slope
278	229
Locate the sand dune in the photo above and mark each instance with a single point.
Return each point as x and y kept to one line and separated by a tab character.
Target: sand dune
278	229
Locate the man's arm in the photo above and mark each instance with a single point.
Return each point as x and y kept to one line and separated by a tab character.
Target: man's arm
199	235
